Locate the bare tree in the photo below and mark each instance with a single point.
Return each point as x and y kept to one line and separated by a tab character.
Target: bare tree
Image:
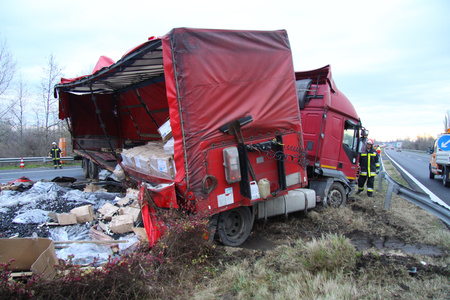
18	108
7	66
51	74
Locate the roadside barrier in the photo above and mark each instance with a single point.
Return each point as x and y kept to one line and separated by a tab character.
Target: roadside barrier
420	199
30	159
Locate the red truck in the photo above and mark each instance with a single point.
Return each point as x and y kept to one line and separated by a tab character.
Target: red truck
251	138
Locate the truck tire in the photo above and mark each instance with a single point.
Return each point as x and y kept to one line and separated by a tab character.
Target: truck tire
234	226
93	170
85	166
337	196
431	173
445	176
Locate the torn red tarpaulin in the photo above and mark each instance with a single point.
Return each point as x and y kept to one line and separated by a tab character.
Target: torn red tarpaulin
20	180
154	227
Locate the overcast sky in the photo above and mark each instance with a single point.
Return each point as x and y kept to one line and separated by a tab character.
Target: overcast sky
391	58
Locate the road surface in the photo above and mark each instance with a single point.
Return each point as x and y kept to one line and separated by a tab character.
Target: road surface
37	174
416	164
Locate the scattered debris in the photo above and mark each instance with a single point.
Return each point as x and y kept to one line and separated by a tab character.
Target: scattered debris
89	224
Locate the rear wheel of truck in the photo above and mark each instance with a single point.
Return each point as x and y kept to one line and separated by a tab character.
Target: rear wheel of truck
336	195
85	166
234	226
445	176
93	170
431	173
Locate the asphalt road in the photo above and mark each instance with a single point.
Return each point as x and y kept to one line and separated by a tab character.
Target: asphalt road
416	164
37	174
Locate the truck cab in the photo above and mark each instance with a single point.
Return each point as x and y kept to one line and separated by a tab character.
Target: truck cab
331	134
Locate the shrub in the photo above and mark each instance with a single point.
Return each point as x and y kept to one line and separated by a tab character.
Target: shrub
180	258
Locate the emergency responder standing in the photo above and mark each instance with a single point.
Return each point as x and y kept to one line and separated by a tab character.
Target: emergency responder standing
55	153
369	166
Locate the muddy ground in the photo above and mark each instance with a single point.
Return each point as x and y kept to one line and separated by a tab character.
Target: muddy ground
399	249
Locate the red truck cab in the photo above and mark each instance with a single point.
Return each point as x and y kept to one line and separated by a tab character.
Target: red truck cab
331	134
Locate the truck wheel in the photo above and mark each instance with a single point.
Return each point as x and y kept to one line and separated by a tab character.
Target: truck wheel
85	166
336	195
93	170
234	226
431	173
445	176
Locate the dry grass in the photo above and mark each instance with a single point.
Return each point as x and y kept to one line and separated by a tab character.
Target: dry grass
314	259
323	264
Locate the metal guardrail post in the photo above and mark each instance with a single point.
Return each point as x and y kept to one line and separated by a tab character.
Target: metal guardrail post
380	180
387	201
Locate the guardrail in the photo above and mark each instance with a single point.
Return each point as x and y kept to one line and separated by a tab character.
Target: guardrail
420	199
32	159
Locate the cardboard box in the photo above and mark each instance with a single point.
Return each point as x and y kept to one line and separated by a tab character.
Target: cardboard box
84	213
132	193
121	224
91	188
30	254
66	219
108	210
135	204
165	131
151	159
124	201
132	211
141	233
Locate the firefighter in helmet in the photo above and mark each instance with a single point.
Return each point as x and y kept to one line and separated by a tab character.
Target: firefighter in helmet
55	153
369	166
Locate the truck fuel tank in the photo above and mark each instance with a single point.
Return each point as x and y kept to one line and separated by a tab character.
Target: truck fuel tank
295	200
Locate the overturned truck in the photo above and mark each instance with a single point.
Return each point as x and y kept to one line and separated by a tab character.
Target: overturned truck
210	121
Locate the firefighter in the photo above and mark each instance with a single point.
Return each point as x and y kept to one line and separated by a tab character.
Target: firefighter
369	166
55	153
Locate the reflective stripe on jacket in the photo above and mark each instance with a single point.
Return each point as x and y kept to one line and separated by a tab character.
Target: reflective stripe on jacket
368	161
55	153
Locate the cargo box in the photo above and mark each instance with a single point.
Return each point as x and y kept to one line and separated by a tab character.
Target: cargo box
84	213
29	254
121	224
66	219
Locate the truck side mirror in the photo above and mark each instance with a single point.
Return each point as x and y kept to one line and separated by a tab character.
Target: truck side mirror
429	150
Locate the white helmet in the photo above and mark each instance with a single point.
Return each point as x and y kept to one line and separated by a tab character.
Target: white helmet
53	143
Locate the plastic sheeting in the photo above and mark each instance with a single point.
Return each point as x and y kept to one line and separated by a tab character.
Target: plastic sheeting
23	214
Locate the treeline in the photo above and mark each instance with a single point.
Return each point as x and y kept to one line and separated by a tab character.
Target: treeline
419	143
29	120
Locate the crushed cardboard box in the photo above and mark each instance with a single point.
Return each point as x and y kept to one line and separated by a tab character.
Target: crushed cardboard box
132	193
29	254
91	188
124	201
121	224
84	213
108	210
66	219
141	233
63	218
132	211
